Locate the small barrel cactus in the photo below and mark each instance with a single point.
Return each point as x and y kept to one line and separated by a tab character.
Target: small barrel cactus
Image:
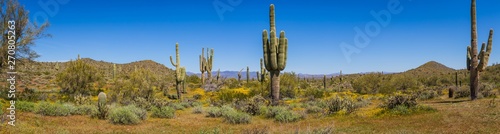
101	105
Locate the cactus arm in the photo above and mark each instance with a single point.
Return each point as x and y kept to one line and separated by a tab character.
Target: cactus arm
468	57
485	54
171	61
265	42
282	51
273	51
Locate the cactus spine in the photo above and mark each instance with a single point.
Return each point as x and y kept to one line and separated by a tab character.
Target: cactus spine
180	72
206	64
101	105
275	54
477	63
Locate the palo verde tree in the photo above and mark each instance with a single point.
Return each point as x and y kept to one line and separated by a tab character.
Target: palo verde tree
79	78
275	54
477	63
24	33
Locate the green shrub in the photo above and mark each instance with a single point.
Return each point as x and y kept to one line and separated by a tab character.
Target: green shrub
142	103
428	94
163	112
287	116
313	109
461	92
315	93
85	110
198	110
400	99
273	111
56	109
404	110
1	109
177	106
400	110
214	112
127	115
185	104
25	106
235	117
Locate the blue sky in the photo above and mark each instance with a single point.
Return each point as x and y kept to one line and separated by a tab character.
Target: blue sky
126	31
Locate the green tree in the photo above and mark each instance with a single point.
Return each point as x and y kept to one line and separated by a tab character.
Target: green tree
25	33
79	78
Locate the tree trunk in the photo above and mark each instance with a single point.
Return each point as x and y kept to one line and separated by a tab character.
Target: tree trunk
275	87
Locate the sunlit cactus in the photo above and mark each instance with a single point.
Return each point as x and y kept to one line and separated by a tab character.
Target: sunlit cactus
180	72
275	55
477	63
206	64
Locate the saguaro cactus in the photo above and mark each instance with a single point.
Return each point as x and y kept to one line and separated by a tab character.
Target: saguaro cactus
239	76
180	72
101	105
275	55
206	64
218	75
324	81
477	63
248	74
114	71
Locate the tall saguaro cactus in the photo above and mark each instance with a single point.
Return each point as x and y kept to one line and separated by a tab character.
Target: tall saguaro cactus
206	64
477	63
248	74
180	72
239	76
275	55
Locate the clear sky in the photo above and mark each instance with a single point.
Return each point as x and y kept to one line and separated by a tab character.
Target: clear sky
125	31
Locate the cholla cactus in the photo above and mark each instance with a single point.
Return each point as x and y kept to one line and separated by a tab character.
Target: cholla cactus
101	105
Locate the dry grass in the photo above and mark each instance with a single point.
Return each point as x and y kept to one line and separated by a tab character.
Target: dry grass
453	116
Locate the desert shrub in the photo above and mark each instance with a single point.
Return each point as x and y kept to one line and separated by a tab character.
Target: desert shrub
127	115
142	103
405	110
288	85
487	90
236	117
254	104
287	116
325	130
368	83
315	93
338	103
163	112
177	106
195	103
256	130
400	99
80	99
273	111
214	112
198	110
79	77
1	109
56	109
427	94
313	109
25	106
230	95
186	104
461	92
85	110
